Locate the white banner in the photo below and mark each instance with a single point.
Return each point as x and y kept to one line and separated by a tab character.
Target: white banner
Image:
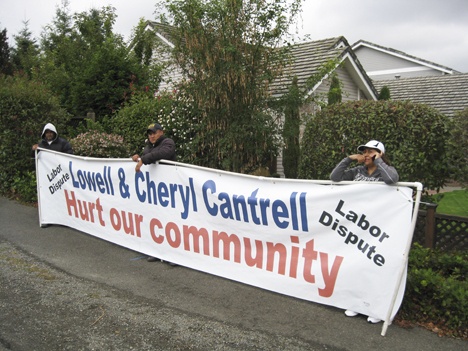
339	245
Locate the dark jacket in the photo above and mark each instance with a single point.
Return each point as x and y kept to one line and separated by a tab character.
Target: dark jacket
163	149
57	144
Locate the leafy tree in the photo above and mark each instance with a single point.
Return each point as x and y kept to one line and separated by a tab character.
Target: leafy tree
458	146
291	151
5	64
143	45
384	93
334	93
86	64
143	42
25	54
415	136
229	50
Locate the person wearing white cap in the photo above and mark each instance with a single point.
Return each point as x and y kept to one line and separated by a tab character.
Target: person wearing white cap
376	167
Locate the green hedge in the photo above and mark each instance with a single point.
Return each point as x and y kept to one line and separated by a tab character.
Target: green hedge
171	110
437	289
415	136
25	107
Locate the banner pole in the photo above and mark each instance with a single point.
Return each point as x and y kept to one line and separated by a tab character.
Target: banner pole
37	186
419	188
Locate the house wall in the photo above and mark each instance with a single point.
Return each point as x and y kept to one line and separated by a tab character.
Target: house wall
171	75
380	65
350	90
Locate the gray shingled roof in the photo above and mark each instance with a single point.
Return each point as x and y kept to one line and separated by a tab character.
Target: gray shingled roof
306	59
448	93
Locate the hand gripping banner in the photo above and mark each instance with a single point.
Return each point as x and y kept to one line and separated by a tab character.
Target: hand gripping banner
340	244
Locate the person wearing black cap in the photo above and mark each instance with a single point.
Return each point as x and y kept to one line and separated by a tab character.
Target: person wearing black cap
376	167
158	147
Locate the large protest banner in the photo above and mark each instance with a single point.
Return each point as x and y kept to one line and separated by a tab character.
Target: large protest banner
339	245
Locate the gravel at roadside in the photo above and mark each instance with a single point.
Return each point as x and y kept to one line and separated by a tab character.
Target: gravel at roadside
43	308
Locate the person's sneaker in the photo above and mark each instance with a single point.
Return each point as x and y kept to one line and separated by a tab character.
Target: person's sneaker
152	259
350	313
373	320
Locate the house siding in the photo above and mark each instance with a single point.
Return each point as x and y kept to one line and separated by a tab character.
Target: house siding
381	66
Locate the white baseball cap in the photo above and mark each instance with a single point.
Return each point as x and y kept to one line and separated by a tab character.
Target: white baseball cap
373	144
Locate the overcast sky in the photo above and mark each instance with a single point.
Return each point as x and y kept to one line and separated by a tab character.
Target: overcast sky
434	30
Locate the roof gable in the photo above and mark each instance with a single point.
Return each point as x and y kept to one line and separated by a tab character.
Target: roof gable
308	58
414	64
164	32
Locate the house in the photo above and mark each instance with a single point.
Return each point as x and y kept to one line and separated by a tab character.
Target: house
382	63
306	60
446	93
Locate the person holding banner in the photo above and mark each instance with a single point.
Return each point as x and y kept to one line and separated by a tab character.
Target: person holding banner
158	147
51	140
376	167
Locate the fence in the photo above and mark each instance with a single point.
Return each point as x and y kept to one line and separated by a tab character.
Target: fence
439	231
77	120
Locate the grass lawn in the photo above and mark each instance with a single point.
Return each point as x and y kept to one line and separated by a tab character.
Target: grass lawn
454	203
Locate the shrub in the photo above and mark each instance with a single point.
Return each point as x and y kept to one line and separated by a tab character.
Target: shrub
24	187
171	110
291	131
25	107
384	93
100	144
437	290
414	135
459	145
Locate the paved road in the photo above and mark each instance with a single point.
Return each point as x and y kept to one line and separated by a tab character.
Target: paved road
154	306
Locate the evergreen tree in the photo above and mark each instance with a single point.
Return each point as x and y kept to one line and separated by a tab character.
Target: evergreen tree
334	93
5	64
291	151
384	93
25	54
